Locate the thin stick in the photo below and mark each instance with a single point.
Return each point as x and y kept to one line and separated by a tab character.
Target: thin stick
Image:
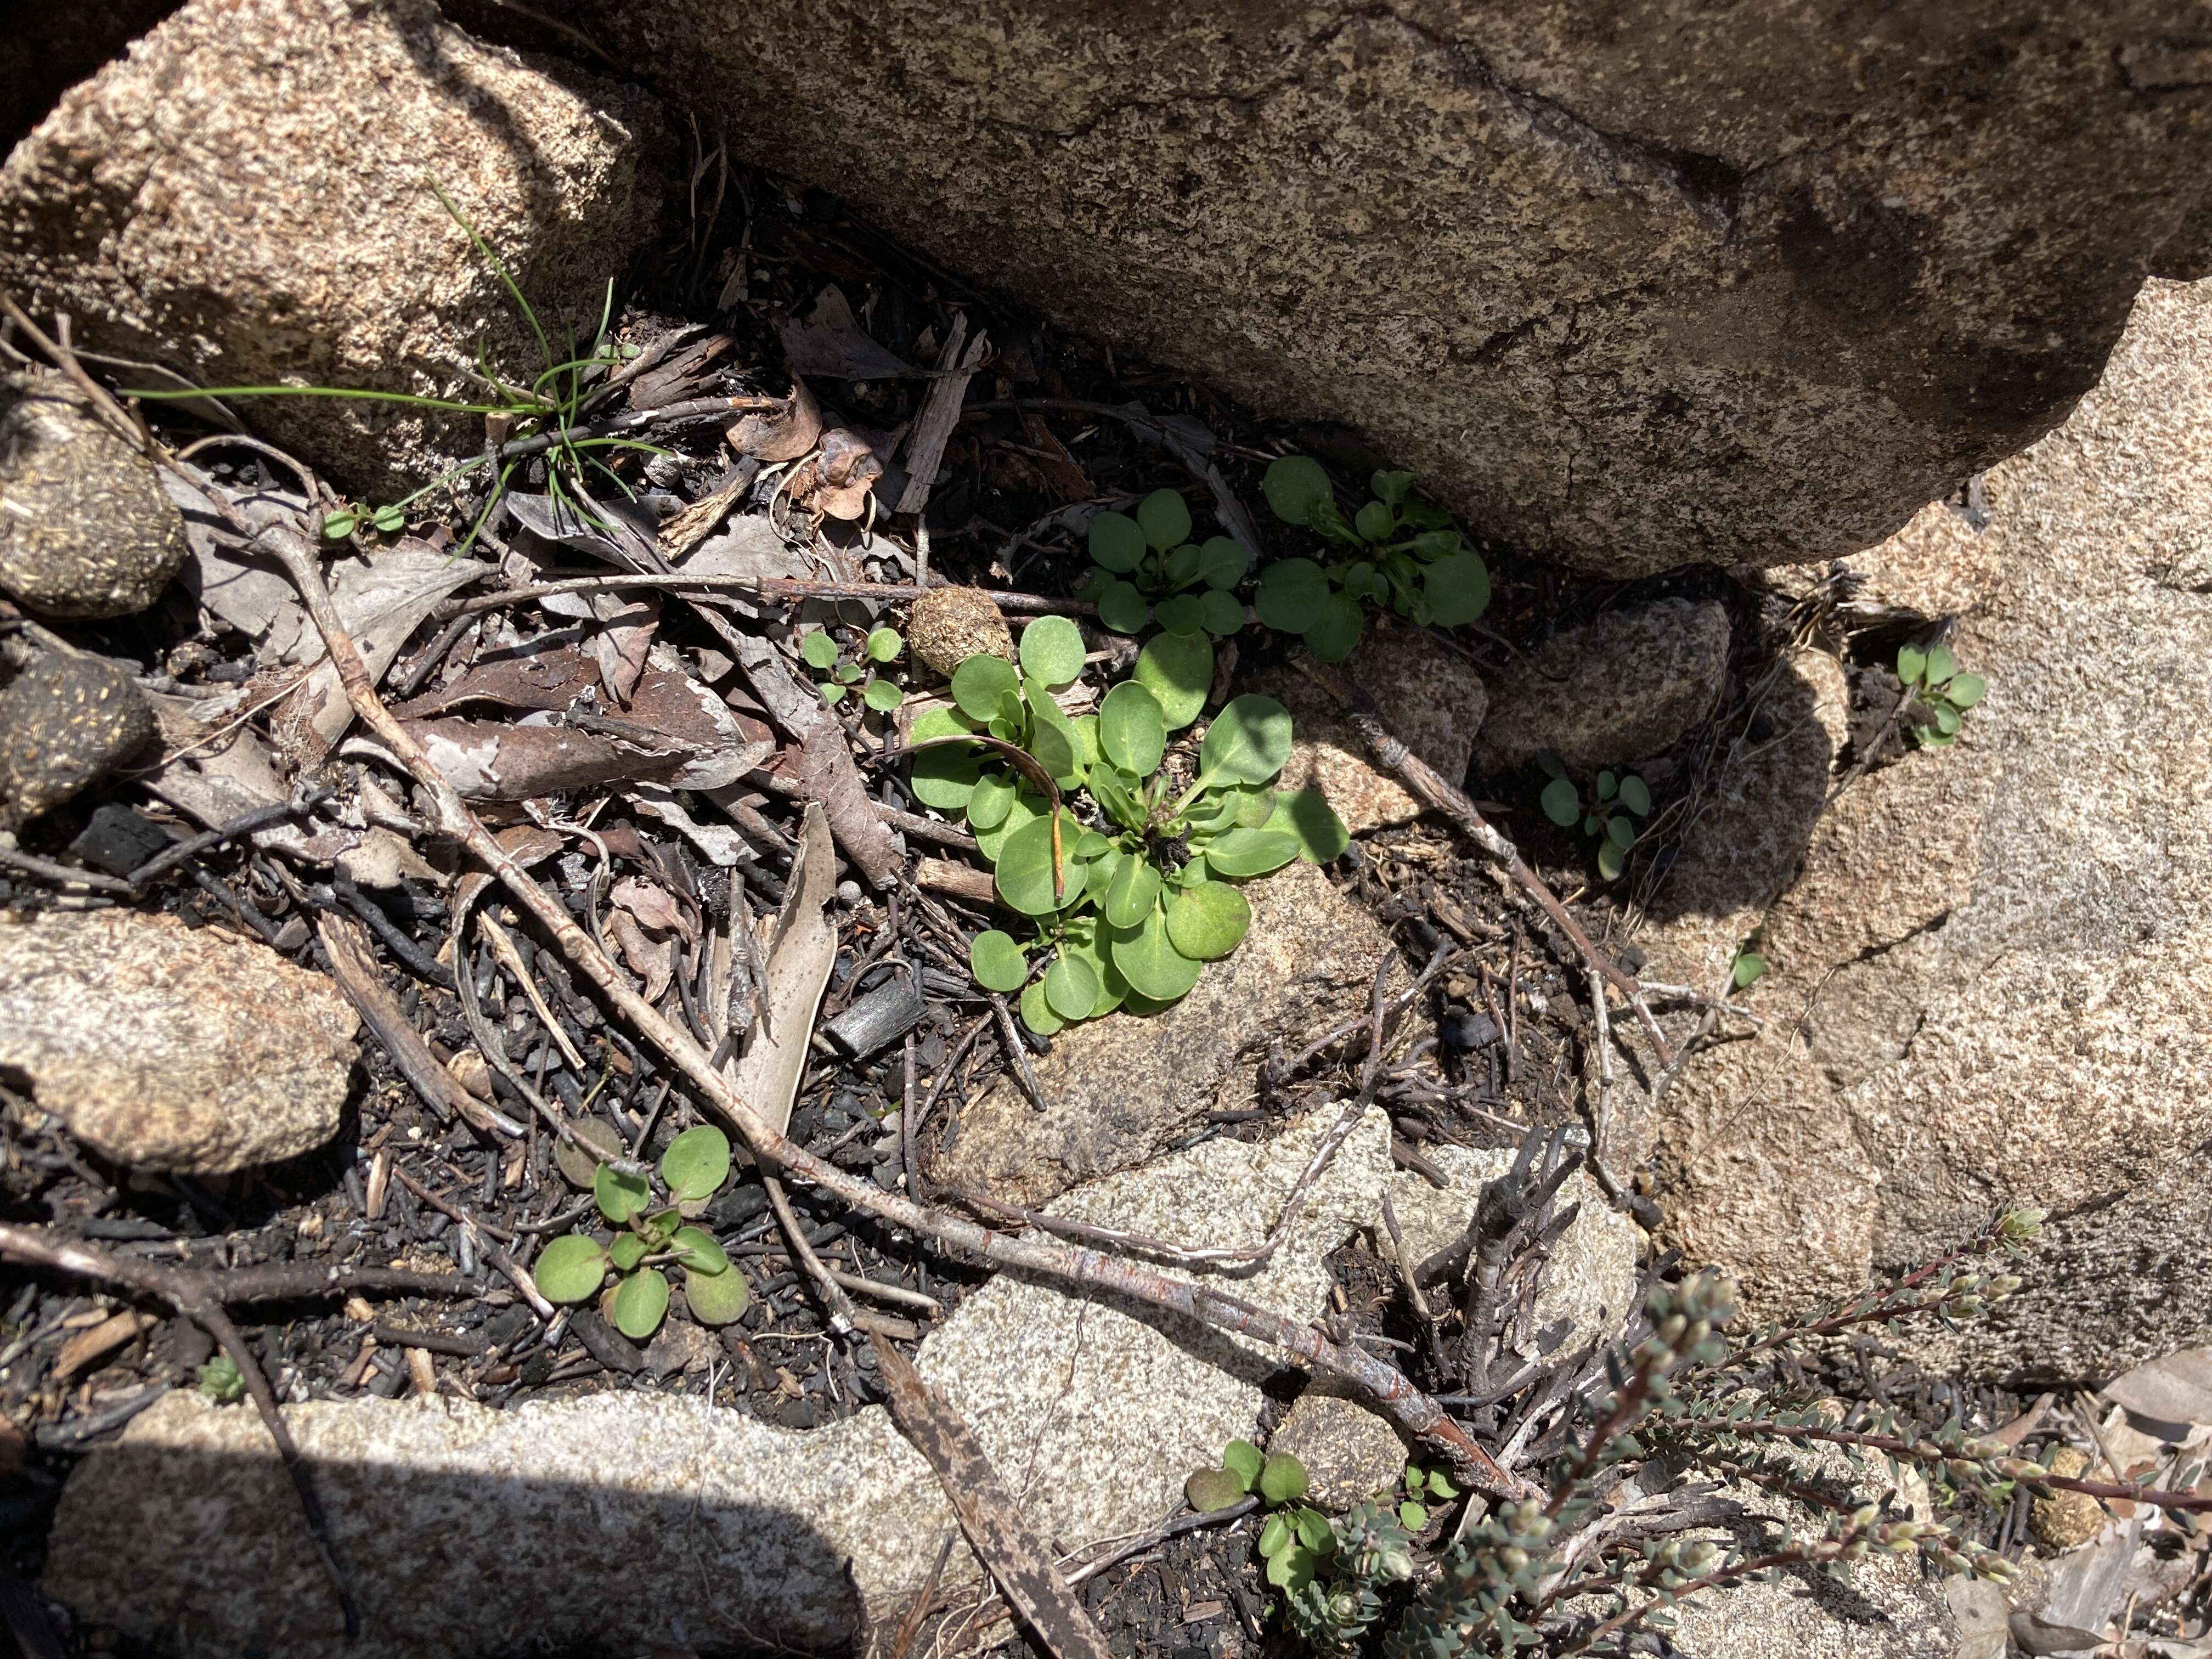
762	587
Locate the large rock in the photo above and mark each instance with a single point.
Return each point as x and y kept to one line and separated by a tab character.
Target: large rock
1121	1090
1989	981
247	198
168	1048
1632	286
618	1521
86	529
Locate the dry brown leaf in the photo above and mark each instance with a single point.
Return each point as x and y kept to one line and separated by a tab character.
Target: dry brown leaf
623	639
2176	1390
655	908
800	950
831	342
649	960
838	481
783	435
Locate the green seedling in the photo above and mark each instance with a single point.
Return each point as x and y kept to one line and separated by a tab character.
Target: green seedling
1296	1538
1746	969
1147	568
1401	552
222	1381
1133	880
1608	811
542	413
654	1233
1938	693
1423	1486
844	671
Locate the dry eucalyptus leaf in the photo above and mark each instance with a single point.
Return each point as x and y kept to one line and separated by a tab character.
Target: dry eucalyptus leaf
801	949
831	342
2176	1390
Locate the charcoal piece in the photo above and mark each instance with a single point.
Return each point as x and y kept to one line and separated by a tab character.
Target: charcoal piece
877	1019
607	1344
118	840
1462	1029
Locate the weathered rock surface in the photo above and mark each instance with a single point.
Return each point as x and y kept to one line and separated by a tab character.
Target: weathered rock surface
1120	1090
1632	288
1432	699
1989	983
1350	1454
64	720
611	1520
246	198
1619	689
168	1048
86	529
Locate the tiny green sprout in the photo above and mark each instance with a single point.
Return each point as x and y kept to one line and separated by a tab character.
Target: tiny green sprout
654	1235
1749	965
222	1381
842	672
1607	811
1400	551
1133	885
1147	568
1938	693
336	526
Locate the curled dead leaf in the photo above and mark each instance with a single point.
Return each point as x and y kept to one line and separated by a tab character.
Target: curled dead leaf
837	482
782	434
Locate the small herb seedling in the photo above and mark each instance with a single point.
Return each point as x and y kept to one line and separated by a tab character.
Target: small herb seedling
575	1266
1147	568
1606	811
1422	1485
1297	1537
222	1381
844	671
1746	969
1938	693
1403	552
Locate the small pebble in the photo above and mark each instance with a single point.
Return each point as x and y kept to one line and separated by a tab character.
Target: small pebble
1461	1029
848	895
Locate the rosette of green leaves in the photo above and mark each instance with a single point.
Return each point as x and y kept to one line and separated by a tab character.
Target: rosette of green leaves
1147	568
994	698
1609	811
1135	906
844	671
652	1234
1942	693
1401	552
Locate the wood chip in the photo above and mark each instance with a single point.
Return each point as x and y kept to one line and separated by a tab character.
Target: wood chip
87	1348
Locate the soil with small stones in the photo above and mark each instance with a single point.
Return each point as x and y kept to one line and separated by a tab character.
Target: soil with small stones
1510	1057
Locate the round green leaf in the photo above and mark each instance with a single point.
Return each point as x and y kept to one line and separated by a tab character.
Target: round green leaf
1242	854
1122	608
1275	1535
1183	614
717	1298
997	962
1412	1516
1941	665
389	519
1608	786
1178	671
1153	967
1071	987
1946	720
696	1163
820	650
1208	921
1222	563
569	1269
1552	765
1749	965
979	682
1027	809
640	1304
1965	691
944	777
339	526
1359	580
1086	740
1282	1479
1164	519
1563	802
1314	1530
695	1248
1099	876
1180	568
1336	634
1134	889
1117	542
1052	650
1292	1570
884	645
626	1252
1635	795
1212	1489
883	696
1911	664
1621	831
1036	1011
1053	740
1609	863
1307	815
1220	612
1457	587
1025	872
620	1196
1248	741
1243	1459
1294	487
1133	731
833	693
991	799
1375	521
1292	596
1392	487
